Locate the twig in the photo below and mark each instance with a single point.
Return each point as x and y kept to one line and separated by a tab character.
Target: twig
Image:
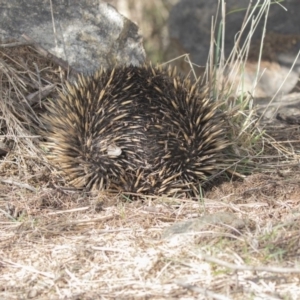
69	210
248	268
20	184
202	291
290	99
14	44
40	94
7	215
27	268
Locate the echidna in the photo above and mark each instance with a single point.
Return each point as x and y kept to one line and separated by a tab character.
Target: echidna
135	129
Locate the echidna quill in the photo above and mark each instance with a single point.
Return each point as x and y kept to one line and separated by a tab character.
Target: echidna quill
135	129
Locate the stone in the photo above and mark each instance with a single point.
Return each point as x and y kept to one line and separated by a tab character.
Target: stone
88	34
190	28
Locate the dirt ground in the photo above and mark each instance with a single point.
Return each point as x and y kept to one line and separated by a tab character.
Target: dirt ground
240	240
68	245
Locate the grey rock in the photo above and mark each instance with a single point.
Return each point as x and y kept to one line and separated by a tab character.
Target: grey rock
85	33
190	24
190	27
274	79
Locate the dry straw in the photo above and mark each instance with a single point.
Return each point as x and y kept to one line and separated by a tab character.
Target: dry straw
58	243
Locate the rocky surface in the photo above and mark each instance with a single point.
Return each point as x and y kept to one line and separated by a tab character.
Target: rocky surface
190	23
85	33
190	32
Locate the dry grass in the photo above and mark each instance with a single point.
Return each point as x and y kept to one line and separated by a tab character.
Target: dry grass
58	243
62	244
